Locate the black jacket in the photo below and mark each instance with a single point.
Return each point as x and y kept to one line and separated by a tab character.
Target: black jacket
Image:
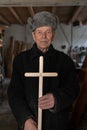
23	92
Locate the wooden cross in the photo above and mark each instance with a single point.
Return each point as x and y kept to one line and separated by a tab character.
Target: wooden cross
40	74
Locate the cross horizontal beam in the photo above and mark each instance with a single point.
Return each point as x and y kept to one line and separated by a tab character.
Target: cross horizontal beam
51	74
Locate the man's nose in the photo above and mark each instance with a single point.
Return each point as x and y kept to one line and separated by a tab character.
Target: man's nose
43	34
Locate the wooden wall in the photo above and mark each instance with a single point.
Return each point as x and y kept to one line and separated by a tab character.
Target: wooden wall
13	49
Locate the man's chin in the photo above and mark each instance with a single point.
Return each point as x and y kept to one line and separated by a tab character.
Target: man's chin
44	49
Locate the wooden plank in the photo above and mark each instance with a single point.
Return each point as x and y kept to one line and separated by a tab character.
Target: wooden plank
41	2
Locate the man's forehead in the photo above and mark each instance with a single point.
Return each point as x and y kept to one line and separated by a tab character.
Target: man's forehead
44	28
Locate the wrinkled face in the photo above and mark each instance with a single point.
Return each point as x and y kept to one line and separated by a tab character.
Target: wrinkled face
43	37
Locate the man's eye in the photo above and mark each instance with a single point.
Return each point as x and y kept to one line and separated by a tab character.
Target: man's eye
38	32
48	32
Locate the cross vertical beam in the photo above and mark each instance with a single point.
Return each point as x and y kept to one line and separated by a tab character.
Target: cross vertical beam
40	92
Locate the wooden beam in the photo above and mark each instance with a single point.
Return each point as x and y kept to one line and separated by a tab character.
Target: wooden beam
15	15
42	2
2	19
31	11
54	8
75	14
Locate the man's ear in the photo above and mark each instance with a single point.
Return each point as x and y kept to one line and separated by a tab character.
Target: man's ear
33	35
53	35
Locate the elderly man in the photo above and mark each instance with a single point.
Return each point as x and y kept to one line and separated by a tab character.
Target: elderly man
58	92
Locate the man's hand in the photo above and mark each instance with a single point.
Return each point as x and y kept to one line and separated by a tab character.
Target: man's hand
47	101
30	124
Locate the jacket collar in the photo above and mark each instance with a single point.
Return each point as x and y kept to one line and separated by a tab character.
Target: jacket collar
35	52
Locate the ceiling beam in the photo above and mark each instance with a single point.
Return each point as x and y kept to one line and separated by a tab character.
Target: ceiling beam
54	8
78	10
2	19
42	3
31	11
15	15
